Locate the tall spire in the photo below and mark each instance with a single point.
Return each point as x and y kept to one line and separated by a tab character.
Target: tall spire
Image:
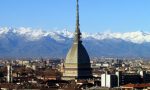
77	31
77	64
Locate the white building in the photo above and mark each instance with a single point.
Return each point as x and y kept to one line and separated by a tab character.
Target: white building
9	73
108	80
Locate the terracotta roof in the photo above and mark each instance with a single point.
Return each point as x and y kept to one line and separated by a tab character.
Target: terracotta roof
136	85
8	85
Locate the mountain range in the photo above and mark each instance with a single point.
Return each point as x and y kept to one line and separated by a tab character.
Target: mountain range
28	42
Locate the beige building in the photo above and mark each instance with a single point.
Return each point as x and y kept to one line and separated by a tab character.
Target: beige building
77	63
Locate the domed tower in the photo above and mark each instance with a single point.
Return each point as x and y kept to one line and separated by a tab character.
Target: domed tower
77	63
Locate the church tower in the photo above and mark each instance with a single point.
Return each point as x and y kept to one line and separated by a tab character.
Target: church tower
77	64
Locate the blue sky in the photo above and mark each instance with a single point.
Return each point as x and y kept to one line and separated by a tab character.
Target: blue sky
95	15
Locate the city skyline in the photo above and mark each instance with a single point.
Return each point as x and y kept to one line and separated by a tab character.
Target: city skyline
105	53
95	16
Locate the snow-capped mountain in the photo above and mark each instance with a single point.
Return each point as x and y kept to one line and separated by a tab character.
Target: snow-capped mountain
28	42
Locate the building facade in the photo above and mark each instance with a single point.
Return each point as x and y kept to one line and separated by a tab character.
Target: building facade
109	80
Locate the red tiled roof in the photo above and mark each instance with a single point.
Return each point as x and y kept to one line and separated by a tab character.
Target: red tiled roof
136	85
